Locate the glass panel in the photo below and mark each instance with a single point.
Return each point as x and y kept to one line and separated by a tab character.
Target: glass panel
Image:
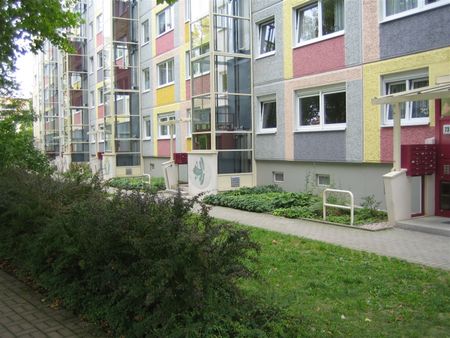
269	114
126	160
419	108
79	134
125	78
332	16
232	35
78	98
127	127
200	33
397	6
126	103
392	88
335	108
233	74
234	162
125	30
308	23
79	147
201	114
233	112
267	37
201	141
233	141
309	111
127	146
201	82
125	9
199	9
232	7
84	157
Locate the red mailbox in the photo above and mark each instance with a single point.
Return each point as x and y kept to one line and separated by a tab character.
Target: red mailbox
419	159
180	158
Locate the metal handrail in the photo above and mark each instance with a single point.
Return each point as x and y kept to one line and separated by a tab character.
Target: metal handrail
351	207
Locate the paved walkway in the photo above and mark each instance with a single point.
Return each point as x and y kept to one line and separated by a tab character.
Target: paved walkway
412	246
22	314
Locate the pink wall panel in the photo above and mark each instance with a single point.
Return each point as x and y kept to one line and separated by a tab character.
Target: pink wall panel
319	57
99	39
188	89
410	135
164	43
101	111
164	147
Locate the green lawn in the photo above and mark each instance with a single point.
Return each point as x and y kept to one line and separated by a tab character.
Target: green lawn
342	292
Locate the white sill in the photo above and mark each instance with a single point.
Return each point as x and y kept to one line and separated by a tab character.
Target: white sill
404	123
166	32
160	138
413	11
267	132
262	56
145	43
165	85
147	139
319	39
320	129
146	91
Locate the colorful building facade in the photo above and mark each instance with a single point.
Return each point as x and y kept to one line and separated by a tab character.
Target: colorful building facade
256	92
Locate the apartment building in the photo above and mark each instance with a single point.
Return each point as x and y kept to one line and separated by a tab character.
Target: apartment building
254	92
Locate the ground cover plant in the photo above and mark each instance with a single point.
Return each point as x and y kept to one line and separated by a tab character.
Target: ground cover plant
137	183
272	199
347	293
138	264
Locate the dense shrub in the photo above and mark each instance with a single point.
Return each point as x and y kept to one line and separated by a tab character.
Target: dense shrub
145	266
137	183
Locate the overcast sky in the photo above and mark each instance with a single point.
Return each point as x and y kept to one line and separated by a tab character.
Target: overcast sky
24	75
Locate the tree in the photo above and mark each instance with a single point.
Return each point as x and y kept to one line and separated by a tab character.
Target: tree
25	25
16	138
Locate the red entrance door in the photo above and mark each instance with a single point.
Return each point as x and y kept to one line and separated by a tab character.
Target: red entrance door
443	158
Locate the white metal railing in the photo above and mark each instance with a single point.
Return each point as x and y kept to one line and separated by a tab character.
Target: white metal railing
149	178
350	207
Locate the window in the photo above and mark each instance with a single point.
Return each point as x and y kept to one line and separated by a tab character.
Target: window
404	7
189	123
267	37
91	30
268	120
187	10
188	64
91	64
146	78
100	96
278	176
91	98
165	73
164	128
322	109
147	128
99	23
416	112
319	19
323	180
99	60
165	20
145	32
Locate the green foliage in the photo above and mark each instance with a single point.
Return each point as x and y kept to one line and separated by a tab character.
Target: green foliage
146	266
271	199
137	183
25	25
16	139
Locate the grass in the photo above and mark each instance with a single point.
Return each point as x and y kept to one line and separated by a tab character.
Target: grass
347	293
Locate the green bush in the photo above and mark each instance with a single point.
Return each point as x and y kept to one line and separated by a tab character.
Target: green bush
146	266
137	183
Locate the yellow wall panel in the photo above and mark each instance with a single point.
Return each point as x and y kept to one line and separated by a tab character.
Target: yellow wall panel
437	62
165	95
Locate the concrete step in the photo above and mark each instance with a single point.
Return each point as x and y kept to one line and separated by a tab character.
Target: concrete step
429	224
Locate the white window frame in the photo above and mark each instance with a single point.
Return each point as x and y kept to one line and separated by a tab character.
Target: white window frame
148	120
422	6
262	101
163	118
320	35
260	37
101	132
408	78
166	82
187	10
91	65
99	23
146	84
91	30
274	176
188	64
168	26
145	32
321	92
101	98
100	59
323	176
189	123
